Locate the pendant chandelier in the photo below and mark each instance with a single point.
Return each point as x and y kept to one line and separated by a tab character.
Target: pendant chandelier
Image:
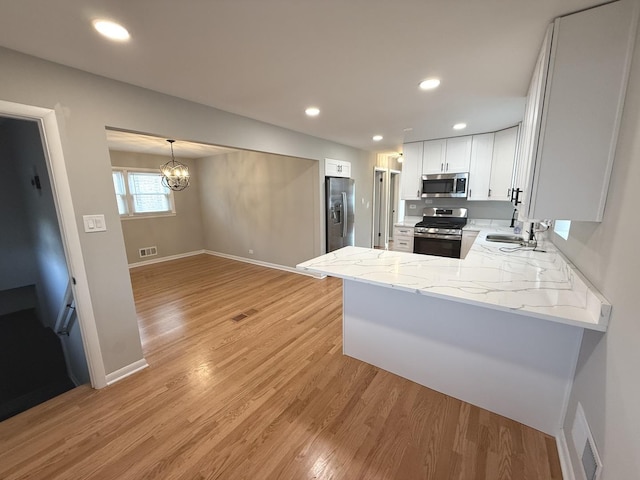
175	175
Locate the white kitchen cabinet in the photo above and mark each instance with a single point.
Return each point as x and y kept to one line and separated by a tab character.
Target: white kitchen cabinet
457	154
337	168
480	166
571	121
411	171
433	156
503	159
403	239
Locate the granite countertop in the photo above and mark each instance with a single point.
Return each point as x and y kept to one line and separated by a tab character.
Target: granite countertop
541	283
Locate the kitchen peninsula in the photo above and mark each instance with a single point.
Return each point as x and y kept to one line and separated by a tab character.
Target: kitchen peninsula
500	329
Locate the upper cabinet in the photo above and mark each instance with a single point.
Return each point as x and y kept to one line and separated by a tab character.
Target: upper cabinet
458	155
480	167
337	168
434	156
502	163
572	114
411	171
489	159
492	163
446	155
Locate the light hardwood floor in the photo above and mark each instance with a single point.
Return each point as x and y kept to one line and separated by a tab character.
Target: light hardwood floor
247	381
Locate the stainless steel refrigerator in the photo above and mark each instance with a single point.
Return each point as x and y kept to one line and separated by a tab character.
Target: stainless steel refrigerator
340	202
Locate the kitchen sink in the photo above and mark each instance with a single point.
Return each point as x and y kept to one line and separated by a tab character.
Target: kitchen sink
505	238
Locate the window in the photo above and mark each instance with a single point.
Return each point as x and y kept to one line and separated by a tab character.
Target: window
562	227
140	193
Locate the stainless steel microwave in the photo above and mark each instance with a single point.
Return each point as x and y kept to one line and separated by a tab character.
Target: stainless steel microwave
445	185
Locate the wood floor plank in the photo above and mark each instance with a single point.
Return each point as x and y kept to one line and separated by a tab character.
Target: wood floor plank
266	396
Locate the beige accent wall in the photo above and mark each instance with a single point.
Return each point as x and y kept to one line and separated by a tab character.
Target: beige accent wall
173	235
260	202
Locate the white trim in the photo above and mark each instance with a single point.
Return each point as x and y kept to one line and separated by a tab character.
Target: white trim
124	372
565	458
61	190
165	259
264	264
569	387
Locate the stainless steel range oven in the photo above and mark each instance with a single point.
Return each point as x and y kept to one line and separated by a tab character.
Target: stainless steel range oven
440	232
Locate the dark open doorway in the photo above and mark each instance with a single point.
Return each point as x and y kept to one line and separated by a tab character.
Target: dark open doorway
41	351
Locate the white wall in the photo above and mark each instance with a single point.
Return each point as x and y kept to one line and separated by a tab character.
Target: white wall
85	104
260	202
607	380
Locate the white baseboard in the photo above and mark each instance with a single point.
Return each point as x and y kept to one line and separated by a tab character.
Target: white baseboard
565	457
165	259
263	264
124	372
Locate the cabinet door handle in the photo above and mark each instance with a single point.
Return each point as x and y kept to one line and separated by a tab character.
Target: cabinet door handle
447	167
489	192
508	193
517	199
469	192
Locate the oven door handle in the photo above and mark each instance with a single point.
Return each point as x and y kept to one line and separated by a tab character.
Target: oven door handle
439	236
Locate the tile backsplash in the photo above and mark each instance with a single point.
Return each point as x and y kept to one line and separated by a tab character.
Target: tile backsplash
495	210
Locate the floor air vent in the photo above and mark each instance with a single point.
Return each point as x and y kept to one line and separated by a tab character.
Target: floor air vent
148	252
585	446
243	315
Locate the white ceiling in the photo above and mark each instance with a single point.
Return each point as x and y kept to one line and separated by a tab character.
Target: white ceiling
359	61
136	142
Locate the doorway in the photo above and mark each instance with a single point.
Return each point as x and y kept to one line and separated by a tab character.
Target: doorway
380	232
42	348
393	202
386	188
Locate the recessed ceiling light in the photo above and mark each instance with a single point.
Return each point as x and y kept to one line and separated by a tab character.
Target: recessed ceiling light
429	83
312	111
111	30
460	126
377	138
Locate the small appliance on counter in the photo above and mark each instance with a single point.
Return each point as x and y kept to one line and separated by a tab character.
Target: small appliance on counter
340	205
440	232
445	185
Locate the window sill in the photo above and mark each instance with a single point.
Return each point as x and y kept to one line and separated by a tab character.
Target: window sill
151	215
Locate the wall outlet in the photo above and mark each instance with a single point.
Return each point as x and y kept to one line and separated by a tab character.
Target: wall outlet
412	206
250	251
428	201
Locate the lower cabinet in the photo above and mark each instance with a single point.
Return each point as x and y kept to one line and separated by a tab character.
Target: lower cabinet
403	239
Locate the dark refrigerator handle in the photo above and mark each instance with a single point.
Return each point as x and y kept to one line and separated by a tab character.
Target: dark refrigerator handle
344	214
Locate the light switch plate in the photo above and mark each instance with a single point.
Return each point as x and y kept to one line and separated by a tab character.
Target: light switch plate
94	223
